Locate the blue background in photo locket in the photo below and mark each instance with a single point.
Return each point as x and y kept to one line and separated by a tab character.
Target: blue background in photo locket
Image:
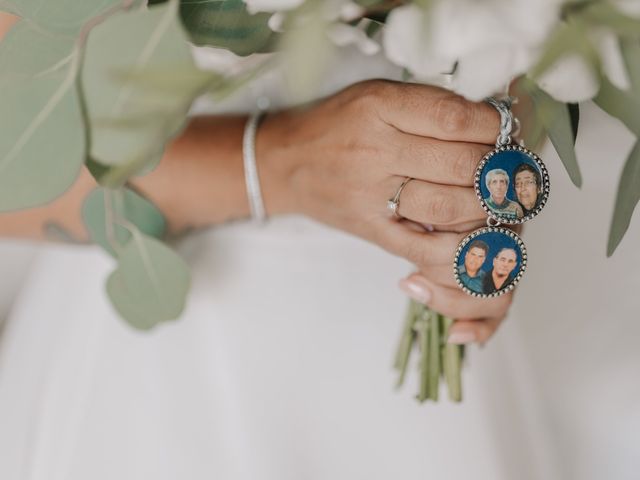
508	161
496	242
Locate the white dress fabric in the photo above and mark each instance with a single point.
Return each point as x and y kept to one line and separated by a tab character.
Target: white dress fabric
280	368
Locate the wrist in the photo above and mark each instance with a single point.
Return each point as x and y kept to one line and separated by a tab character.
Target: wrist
276	163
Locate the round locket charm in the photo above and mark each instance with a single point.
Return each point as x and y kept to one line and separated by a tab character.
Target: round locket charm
489	262
512	184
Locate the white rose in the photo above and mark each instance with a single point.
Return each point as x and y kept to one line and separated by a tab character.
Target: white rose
628	7
491	40
343	35
408	44
572	79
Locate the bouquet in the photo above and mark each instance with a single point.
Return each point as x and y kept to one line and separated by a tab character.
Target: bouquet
108	83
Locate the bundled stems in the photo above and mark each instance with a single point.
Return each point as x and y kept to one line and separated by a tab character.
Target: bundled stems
427	331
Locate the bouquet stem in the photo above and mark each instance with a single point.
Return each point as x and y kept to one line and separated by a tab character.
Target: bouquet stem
426	330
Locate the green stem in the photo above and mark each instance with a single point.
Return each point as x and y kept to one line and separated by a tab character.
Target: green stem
422	326
452	364
434	355
406	341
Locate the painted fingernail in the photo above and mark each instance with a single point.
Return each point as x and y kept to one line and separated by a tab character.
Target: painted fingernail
415	289
460	338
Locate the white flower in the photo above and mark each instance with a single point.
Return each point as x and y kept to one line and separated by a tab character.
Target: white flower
255	6
350	11
276	21
628	7
483	73
570	79
409	44
612	62
334	9
342	35
491	40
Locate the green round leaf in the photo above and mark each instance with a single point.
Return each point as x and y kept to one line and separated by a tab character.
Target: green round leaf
150	284
42	142
130	120
128	205
227	24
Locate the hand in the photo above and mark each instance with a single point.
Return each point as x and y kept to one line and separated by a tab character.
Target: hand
469	326
340	160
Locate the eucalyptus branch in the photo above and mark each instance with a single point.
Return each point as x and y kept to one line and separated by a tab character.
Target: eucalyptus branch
111	219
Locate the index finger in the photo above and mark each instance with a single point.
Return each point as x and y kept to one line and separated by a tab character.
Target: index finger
434	112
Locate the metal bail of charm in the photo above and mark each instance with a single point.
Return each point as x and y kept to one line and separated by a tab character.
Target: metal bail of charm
511	182
489	262
506	119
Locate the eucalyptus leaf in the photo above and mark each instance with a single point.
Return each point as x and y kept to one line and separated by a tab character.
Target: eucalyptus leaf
556	120
623	105
96	169
532	131
373	27
103	226
162	81
574	115
60	16
120	52
630	49
227	24
150	284
305	32
42	143
604	14
626	199
370	3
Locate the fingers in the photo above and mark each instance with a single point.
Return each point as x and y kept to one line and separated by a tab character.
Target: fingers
453	302
475	328
436	161
426	202
423	249
468	331
434	112
441	274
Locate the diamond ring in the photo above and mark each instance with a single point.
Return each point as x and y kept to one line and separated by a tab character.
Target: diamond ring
393	204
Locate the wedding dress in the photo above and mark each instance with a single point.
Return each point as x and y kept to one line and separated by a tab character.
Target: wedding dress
280	367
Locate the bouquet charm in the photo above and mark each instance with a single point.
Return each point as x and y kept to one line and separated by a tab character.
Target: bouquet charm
512	186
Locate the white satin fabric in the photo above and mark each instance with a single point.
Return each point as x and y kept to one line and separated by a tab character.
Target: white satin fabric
280	368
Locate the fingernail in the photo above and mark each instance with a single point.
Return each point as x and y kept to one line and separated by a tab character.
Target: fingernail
415	289
460	338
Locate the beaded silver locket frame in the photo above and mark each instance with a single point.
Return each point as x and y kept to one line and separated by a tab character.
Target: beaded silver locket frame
519	244
534	160
499	240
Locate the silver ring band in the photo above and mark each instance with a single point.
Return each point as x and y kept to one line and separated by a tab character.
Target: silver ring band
254	193
393	204
506	119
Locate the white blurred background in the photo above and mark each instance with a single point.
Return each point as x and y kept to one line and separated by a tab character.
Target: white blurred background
572	352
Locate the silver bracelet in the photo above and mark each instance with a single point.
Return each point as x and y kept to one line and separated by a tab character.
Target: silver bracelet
250	170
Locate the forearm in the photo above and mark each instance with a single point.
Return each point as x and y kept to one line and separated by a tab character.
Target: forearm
199	182
200	179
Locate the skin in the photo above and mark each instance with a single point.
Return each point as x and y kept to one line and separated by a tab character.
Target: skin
498	188
526	189
473	260
503	265
337	161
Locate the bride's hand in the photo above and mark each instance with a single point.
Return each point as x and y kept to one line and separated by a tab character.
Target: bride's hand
340	160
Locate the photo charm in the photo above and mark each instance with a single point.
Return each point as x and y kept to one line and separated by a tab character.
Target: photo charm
512	184
489	262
